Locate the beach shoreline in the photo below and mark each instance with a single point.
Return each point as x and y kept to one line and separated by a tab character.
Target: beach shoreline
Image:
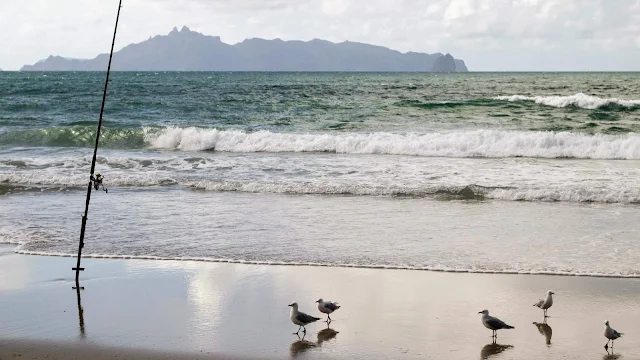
325	265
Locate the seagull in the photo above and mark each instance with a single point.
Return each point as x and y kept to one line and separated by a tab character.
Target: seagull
546	303
493	323
300	318
327	307
610	334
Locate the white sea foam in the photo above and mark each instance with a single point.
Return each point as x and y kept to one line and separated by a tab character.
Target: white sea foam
556	193
477	143
616	192
63	181
570	194
580	100
437	268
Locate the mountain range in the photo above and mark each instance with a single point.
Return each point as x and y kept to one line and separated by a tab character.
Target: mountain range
187	50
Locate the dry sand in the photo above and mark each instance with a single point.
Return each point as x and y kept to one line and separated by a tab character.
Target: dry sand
138	309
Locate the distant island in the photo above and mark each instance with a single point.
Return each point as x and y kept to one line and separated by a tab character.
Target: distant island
187	50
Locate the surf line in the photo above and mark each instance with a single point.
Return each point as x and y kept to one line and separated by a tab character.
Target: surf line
77	269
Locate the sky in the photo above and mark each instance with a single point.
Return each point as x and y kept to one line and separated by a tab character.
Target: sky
489	35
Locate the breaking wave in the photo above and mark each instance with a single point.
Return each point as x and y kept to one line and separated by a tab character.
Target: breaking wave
462	144
579	100
477	143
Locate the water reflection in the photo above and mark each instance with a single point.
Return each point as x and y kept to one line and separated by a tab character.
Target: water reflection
300	346
545	330
492	349
326	335
83	333
611	356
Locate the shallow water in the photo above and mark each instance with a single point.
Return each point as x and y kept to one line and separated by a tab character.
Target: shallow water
380	232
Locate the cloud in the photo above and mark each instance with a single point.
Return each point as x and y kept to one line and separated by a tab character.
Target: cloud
227	6
334	7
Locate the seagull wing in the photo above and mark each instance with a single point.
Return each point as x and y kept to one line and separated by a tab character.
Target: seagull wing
539	303
496	323
306	318
332	306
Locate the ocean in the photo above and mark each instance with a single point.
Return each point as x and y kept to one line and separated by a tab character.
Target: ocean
470	172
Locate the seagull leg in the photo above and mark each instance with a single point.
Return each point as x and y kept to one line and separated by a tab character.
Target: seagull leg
606	346
328	318
297	332
304	331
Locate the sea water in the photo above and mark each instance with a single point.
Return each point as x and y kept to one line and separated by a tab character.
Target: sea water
486	172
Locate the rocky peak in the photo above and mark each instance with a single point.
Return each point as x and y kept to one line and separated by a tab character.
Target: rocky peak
444	63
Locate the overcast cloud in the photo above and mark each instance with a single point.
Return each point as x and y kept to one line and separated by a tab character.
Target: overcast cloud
501	35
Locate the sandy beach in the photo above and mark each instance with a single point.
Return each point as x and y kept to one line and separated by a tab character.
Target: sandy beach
139	309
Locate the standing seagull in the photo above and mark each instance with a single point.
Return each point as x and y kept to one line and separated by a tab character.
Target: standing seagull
546	303
327	307
300	318
493	323
610	334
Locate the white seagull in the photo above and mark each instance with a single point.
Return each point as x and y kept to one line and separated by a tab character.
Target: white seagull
493	323
327	307
300	318
546	303
610	334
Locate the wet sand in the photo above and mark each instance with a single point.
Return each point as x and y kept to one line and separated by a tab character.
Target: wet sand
138	309
35	349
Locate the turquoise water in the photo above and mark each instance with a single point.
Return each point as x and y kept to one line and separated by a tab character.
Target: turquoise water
301	102
511	140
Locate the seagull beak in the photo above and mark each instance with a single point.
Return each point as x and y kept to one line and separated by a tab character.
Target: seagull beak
479	312
290	305
317	301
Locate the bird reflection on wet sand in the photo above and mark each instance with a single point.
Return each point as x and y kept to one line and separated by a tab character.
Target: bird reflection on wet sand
300	346
326	335
545	330
611	356
493	349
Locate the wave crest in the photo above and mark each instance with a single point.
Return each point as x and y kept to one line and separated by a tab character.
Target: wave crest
477	143
578	100
458	144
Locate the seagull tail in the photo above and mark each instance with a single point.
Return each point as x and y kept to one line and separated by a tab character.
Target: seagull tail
315	318
509	327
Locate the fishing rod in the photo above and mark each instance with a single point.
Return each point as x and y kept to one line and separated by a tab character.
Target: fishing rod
95	152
